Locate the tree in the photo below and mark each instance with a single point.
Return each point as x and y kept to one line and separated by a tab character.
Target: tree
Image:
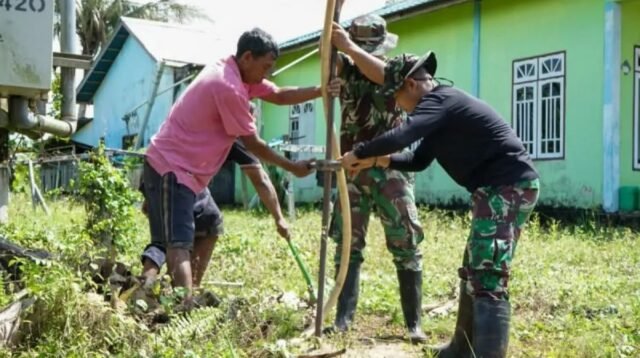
96	19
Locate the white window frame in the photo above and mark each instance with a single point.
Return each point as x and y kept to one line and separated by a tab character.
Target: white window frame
301	129
516	124
636	109
556	136
535	73
542	65
520	76
294	110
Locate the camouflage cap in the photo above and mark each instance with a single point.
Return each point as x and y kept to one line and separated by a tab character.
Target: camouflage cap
400	67
370	33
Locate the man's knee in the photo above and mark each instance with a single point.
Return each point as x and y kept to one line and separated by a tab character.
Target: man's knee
488	267
402	243
186	245
355	254
406	259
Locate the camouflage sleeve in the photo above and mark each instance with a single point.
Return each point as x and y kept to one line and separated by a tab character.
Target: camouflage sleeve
348	66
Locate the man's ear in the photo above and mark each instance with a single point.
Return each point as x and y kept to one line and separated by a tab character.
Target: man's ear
246	56
410	83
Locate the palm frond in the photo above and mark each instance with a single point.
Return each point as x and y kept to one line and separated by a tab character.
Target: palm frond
167	10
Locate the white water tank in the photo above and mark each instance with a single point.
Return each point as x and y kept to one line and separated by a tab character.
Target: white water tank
26	35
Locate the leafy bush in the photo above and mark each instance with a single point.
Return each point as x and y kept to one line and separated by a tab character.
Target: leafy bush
109	201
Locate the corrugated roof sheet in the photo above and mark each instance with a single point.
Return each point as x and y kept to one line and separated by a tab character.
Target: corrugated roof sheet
174	43
387	11
163	41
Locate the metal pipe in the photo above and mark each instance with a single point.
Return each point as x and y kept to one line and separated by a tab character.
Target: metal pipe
163	91
4	119
68	75
5	179
332	13
152	100
22	118
5	123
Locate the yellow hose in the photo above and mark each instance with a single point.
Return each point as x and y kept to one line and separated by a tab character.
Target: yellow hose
327	68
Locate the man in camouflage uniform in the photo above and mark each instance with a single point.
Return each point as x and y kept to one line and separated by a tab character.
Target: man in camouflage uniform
480	152
365	115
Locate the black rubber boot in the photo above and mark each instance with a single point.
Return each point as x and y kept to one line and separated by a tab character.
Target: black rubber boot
348	299
460	344
491	327
411	300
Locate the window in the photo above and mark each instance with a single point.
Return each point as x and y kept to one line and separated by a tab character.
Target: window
128	141
302	132
538	104
302	125
636	109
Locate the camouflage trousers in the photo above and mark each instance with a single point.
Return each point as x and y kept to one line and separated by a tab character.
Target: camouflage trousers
388	193
499	215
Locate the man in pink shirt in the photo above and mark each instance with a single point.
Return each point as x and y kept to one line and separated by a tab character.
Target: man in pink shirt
192	144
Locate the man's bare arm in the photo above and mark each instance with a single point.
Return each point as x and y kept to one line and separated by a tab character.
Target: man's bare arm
267	193
293	95
260	148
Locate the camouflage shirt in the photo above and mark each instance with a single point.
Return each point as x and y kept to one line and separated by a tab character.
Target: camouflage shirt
365	112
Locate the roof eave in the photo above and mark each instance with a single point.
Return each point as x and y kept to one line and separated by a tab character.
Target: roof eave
142	44
421	9
96	62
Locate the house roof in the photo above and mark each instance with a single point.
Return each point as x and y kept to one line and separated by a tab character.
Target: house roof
389	12
162	41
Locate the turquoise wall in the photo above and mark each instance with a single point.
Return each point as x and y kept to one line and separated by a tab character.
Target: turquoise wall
519	29
630	38
128	84
509	30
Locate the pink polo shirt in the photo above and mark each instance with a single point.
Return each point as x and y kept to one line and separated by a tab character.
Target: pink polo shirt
195	139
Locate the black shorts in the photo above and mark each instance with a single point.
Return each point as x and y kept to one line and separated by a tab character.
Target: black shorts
172	226
176	215
169	209
207	216
241	156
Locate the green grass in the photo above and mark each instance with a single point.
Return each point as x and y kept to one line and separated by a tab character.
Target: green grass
575	290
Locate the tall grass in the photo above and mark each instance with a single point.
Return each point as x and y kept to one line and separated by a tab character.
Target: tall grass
575	289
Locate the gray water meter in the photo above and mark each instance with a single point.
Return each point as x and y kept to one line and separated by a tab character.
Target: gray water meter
26	35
